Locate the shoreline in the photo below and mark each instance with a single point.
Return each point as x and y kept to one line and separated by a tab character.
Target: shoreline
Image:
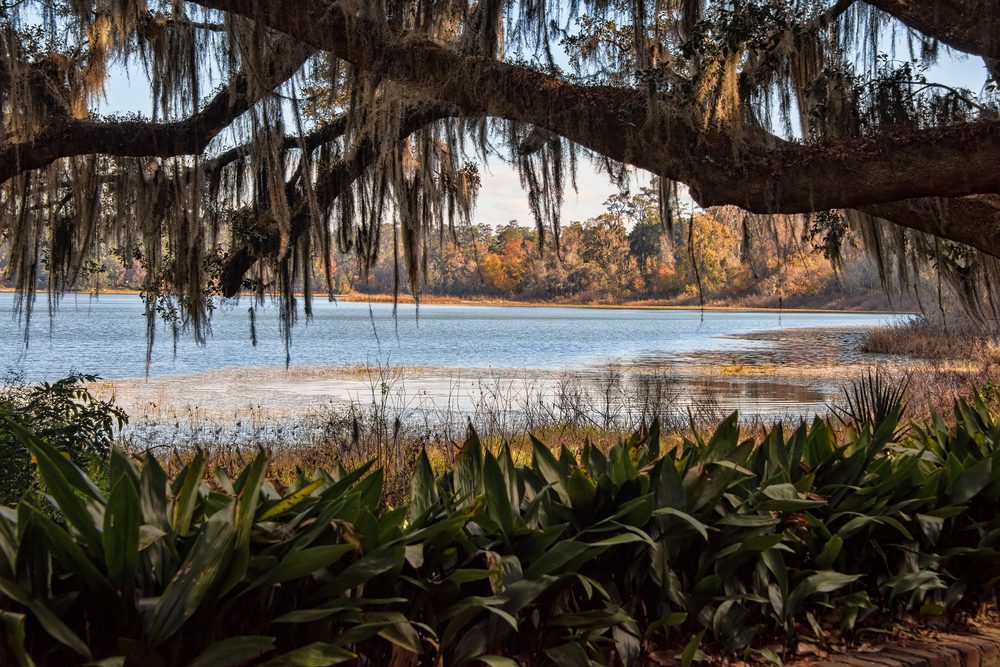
438	300
798	373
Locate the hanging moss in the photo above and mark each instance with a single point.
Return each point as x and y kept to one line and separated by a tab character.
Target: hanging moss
320	154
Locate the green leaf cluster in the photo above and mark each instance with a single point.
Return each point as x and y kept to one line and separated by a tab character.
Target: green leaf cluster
562	558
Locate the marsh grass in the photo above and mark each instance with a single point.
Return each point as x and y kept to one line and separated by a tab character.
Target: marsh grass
390	425
955	339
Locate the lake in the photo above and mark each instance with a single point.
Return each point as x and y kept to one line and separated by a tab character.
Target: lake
105	335
505	368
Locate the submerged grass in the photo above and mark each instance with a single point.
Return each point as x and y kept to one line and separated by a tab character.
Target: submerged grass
728	545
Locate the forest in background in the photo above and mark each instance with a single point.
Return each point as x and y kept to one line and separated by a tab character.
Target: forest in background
626	254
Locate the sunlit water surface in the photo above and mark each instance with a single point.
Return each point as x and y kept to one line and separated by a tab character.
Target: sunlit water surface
106	335
459	354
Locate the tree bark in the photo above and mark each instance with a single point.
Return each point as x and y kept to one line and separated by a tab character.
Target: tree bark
971	26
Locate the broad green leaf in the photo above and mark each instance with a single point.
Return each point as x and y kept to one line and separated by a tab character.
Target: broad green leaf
830	552
398	630
318	654
552	471
250	486
555	558
748	520
204	568
568	655
234	651
691	649
497	661
423	490
338	608
597	617
153	494
973	479
634	535
786	498
69	552
187	496
75	495
292	500
49	621
669	489
825	581
14	627
498	504
365	568
121	533
303	563
684	516
924	580
468	470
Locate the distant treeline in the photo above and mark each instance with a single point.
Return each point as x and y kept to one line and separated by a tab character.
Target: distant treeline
623	254
627	254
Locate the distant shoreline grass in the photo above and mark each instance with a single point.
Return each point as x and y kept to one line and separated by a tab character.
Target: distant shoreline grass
644	304
923	338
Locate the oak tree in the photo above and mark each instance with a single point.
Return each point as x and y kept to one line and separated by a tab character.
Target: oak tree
336	116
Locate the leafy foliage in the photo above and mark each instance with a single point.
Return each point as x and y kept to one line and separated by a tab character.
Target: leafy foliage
558	558
66	415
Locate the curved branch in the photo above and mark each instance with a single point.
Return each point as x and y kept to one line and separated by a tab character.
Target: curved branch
72	137
329	186
973	220
971	26
324	134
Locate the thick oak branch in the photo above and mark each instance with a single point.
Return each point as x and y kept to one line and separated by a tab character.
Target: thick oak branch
70	137
731	164
972	26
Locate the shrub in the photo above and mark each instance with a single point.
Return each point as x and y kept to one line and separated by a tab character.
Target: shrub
65	414
725	544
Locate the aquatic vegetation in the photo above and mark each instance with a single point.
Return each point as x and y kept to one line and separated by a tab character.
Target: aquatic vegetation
726	544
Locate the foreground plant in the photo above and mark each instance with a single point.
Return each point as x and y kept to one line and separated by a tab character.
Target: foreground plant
725	545
66	414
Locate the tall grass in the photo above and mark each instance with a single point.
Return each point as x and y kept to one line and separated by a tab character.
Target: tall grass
390	424
958	339
724	544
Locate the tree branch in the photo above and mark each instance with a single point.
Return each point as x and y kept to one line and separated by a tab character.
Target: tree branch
973	220
190	136
971	26
728	164
328	187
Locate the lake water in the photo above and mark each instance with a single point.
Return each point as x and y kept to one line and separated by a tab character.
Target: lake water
504	368
105	335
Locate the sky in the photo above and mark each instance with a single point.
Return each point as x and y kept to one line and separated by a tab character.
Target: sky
501	198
